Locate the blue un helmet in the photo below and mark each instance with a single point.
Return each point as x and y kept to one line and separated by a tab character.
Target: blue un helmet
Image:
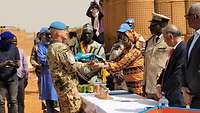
58	25
130	22
124	27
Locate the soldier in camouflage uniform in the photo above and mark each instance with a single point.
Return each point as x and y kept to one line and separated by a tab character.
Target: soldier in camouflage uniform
33	59
64	69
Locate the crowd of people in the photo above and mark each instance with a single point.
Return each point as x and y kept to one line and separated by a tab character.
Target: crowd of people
162	64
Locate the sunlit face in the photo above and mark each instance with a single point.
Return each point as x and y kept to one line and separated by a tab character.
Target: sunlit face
61	35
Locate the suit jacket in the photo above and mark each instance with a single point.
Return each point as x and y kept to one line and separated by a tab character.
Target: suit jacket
171	77
192	70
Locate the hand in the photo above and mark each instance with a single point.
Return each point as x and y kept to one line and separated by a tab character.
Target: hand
187	98
11	63
8	63
158	91
92	62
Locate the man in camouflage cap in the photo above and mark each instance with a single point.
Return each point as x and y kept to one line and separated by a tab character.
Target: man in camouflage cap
64	69
156	54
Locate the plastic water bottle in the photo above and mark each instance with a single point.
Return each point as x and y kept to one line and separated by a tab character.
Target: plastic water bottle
163	101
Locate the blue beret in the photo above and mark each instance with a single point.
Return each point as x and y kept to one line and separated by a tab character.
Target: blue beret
124	27
7	35
44	30
58	25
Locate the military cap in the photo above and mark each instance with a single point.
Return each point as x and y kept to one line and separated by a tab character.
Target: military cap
159	17
58	25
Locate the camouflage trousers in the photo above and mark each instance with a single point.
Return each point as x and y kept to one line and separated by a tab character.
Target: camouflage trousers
70	101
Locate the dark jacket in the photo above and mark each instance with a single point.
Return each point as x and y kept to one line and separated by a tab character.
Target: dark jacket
171	77
192	70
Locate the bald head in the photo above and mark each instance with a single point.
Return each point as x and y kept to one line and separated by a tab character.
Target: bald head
171	35
172	29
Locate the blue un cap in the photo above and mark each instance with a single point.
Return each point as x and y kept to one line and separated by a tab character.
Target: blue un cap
44	30
58	25
7	35
124	27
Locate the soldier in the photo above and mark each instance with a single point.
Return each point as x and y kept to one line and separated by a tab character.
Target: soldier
156	54
64	69
34	59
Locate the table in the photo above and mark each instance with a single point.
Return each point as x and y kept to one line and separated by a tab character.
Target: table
122	103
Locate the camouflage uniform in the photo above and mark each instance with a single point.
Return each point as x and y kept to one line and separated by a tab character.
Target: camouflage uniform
33	59
35	63
63	70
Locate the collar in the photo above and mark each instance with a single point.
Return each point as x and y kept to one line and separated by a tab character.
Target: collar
197	32
177	44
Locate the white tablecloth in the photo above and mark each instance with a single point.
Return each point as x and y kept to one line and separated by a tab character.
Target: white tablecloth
123	103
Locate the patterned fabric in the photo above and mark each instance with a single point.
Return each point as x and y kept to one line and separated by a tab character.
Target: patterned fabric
94	47
131	62
33	59
63	69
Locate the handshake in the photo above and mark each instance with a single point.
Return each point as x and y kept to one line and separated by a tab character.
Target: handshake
98	65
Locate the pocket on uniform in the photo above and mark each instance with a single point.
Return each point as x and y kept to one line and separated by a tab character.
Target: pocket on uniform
162	49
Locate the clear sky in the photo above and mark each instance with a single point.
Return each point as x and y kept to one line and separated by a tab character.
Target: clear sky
31	15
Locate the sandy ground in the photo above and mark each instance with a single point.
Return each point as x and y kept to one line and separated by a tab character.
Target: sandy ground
32	103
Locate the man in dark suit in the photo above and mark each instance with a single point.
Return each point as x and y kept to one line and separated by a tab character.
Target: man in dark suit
191	83
171	77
